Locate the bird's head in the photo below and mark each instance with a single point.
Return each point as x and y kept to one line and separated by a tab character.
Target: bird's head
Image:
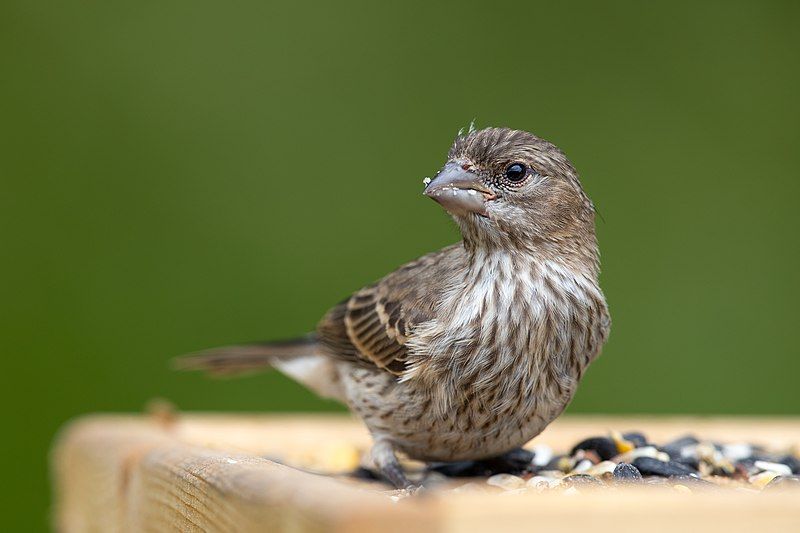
509	188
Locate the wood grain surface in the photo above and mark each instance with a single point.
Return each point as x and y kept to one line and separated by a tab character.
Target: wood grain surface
211	472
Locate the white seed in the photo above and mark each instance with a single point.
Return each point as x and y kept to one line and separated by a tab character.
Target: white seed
538	482
692	451
426	181
604	467
645	451
582	467
737	452
542	454
778	468
555	474
541	483
506	481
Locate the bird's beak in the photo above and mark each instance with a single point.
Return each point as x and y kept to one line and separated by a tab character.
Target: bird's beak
459	191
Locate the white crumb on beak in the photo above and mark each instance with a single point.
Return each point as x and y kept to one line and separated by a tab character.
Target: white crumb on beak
426	181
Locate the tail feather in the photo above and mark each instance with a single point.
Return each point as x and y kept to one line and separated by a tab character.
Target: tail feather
246	358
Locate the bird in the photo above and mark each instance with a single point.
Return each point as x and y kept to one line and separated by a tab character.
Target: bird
468	352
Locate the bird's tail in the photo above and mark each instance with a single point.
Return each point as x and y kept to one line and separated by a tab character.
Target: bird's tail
247	358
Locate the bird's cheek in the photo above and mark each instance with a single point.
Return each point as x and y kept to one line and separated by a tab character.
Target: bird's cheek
490	204
495	207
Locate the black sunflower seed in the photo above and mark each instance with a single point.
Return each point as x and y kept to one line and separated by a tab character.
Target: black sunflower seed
649	466
604	447
635	438
673	448
626	472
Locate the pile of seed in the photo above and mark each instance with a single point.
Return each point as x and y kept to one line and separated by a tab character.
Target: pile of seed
686	464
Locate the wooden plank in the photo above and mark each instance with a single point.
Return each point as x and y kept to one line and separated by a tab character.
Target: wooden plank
209	473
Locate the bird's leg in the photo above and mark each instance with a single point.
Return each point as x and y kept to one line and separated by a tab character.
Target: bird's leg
386	462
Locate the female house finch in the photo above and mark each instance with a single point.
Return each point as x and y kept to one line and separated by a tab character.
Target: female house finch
470	351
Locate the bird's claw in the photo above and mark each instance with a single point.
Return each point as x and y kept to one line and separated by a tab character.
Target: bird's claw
409	491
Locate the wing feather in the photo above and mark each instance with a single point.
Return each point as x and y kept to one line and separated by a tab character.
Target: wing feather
372	327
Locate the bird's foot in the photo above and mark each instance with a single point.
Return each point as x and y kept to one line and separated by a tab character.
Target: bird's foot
388	466
411	490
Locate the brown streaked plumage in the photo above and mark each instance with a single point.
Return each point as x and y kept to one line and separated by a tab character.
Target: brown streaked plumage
470	351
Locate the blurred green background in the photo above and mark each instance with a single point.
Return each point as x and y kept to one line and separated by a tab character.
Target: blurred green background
180	175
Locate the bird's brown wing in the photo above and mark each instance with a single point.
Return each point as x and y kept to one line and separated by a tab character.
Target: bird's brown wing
372	327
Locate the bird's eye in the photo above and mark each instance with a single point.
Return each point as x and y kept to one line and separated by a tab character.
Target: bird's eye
516	172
